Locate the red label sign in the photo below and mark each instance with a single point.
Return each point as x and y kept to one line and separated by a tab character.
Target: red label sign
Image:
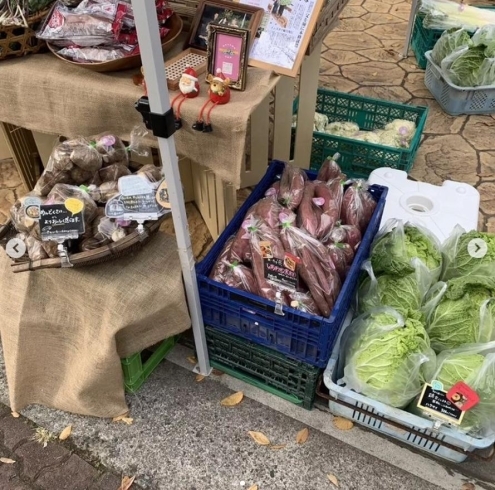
462	396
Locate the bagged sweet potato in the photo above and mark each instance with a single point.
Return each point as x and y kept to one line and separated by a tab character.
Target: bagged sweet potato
309	211
267	209
349	234
291	187
304	302
220	267
330	209
274	190
339	258
240	277
265	244
315	267
330	169
358	206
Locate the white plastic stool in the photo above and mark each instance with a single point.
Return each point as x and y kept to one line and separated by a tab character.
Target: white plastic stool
438	208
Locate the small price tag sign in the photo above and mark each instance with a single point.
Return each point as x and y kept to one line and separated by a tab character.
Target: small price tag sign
436	403
137	200
282	272
62	221
463	397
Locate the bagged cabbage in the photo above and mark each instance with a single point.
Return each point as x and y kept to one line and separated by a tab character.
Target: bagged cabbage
403	292
358	206
330	169
458	254
450	41
387	357
474	365
291	187
397	244
461	311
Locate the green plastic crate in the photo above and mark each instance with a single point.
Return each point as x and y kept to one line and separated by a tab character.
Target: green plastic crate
359	158
264	368
424	39
138	367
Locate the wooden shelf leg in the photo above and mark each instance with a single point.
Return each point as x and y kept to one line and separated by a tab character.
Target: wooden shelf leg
308	87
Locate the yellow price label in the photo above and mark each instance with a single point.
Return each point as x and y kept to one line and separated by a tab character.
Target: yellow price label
74	205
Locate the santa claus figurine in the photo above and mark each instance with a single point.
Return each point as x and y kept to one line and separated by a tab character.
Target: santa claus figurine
189	88
218	93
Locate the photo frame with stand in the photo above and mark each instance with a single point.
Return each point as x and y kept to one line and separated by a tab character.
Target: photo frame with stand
224	13
228	51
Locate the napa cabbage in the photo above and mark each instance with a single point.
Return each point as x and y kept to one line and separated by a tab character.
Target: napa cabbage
387	358
449	41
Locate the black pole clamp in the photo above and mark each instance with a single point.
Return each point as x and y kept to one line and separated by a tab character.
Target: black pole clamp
161	125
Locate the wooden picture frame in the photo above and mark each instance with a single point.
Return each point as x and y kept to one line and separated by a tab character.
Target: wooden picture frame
228	51
278	33
221	12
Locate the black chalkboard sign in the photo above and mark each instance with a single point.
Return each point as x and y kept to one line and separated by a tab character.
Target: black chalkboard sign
57	222
140	203
435	402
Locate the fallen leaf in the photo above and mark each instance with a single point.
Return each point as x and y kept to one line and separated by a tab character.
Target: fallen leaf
127	482
333	479
259	438
7	460
278	447
120	417
192	360
199	378
15	415
468	486
374	74
217	372
253	487
128	420
65	433
342	424
232	400
302	436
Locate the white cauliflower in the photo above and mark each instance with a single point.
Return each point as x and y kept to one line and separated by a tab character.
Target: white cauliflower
345	128
405	129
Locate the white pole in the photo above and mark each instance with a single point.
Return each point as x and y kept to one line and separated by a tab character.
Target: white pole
410	25
156	83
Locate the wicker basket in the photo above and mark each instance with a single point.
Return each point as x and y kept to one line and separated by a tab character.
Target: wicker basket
327	20
131	243
20	40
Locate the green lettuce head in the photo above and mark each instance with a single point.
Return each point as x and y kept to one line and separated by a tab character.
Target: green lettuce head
387	358
461	312
475	366
393	252
459	258
449	41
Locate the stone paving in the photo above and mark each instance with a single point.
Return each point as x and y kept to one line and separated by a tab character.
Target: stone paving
363	56
54	467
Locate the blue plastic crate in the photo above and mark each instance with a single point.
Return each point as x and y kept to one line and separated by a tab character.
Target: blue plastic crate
298	335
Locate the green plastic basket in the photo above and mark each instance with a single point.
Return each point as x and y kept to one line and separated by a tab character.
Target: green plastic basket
359	158
424	39
138	367
264	368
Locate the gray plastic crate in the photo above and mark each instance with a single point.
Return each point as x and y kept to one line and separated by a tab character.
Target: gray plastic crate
441	440
456	100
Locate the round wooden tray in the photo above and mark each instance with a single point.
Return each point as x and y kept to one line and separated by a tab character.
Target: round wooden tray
132	242
175	25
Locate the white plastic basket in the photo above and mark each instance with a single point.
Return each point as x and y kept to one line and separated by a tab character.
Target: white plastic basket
456	100
428	435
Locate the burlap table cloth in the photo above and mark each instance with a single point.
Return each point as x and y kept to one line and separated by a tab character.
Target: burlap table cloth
64	331
44	94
